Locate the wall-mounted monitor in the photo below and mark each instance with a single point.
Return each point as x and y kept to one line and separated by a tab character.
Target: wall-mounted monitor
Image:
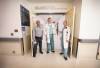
25	17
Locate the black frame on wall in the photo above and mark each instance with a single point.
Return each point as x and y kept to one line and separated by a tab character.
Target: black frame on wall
25	16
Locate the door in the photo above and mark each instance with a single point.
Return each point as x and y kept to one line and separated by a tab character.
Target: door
70	21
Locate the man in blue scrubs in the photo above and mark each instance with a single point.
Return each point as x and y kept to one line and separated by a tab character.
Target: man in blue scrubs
50	35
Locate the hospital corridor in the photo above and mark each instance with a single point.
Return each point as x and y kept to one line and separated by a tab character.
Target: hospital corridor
49	34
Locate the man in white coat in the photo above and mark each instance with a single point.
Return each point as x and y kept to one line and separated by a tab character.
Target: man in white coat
50	35
66	39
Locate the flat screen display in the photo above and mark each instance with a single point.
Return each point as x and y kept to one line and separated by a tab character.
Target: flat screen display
25	17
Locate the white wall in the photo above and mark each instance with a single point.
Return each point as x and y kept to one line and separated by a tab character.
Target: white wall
87	51
89	29
26	4
10	20
90	19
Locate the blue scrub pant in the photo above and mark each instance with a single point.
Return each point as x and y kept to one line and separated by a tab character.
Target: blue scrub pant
50	46
62	44
65	52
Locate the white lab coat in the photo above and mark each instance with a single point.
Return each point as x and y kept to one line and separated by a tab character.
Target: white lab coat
66	36
54	28
47	31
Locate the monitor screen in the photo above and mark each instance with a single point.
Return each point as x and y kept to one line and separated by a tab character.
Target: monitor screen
25	17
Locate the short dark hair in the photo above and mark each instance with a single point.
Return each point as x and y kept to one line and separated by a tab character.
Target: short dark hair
37	21
49	18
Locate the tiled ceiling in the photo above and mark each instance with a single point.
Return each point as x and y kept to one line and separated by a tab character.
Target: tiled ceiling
43	1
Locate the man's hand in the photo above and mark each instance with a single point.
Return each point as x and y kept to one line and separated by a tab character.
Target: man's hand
46	38
67	41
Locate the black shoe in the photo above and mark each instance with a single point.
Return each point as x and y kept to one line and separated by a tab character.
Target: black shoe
41	52
34	56
47	52
53	51
61	53
65	58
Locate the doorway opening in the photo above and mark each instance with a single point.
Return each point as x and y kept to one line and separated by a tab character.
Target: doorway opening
58	18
